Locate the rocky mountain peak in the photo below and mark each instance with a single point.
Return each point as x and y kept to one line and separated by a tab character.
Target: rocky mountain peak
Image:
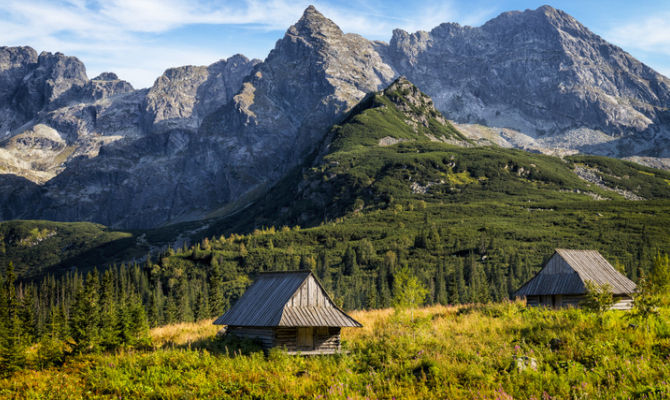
540	22
314	24
402	91
417	107
106	76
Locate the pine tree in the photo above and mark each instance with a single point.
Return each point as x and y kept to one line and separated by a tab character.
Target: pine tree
170	310
156	306
371	301
202	303
123	329
138	327
216	301
434	240
85	314
109	337
441	285
383	286
12	345
457	286
184	308
27	315
350	262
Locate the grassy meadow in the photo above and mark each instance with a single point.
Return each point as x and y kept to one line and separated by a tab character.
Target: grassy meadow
496	351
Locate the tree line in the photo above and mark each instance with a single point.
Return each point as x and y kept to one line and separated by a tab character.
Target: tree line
102	310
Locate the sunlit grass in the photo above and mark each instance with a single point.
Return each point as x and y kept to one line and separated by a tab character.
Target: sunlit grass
465	352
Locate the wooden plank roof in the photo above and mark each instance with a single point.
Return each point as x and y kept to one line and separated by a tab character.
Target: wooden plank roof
294	298
567	270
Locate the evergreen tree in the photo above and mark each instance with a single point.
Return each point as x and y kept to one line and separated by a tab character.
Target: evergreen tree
109	337
12	345
138	328
202	303
441	285
85	314
156	306
170	311
27	315
216	301
184	308
350	262
660	274
383	286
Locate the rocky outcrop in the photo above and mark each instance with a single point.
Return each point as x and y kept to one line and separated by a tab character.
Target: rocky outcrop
55	80
183	96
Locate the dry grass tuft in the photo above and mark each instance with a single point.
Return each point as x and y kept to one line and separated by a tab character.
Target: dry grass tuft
183	333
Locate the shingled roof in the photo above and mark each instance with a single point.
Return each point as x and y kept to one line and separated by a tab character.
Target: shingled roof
294	298
567	270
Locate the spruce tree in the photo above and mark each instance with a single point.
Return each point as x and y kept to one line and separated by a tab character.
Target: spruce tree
27	315
185	310
108	313
12	345
84	314
138	327
350	262
216	301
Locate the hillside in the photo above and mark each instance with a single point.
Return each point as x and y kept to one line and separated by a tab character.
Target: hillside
499	351
41	247
395	148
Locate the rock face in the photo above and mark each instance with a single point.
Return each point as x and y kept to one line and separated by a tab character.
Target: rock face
183	96
309	80
205	137
542	75
97	149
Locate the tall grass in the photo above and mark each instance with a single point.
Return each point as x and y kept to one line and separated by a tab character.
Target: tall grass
467	352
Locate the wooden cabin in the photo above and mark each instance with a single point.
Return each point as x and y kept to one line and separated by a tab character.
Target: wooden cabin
560	283
289	310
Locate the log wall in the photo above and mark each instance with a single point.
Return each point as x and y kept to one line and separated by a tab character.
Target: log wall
326	339
264	335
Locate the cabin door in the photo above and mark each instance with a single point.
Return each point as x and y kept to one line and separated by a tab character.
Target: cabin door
306	338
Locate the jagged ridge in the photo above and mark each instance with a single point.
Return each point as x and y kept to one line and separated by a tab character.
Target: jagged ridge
204	137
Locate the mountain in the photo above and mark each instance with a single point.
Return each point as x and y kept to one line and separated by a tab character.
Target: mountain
206	141
394	148
393	160
100	150
540	79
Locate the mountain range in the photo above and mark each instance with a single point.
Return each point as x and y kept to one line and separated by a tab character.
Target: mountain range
206	141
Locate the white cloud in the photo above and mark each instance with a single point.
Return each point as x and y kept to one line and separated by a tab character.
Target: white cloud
373	22
132	37
649	34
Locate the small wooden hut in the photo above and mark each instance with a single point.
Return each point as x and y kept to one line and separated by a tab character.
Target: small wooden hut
560	283
290	310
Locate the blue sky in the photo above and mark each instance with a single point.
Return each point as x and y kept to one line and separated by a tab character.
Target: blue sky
139	39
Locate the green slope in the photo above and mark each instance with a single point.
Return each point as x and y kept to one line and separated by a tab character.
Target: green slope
358	169
37	247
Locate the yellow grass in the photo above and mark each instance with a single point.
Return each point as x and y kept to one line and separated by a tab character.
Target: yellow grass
183	333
